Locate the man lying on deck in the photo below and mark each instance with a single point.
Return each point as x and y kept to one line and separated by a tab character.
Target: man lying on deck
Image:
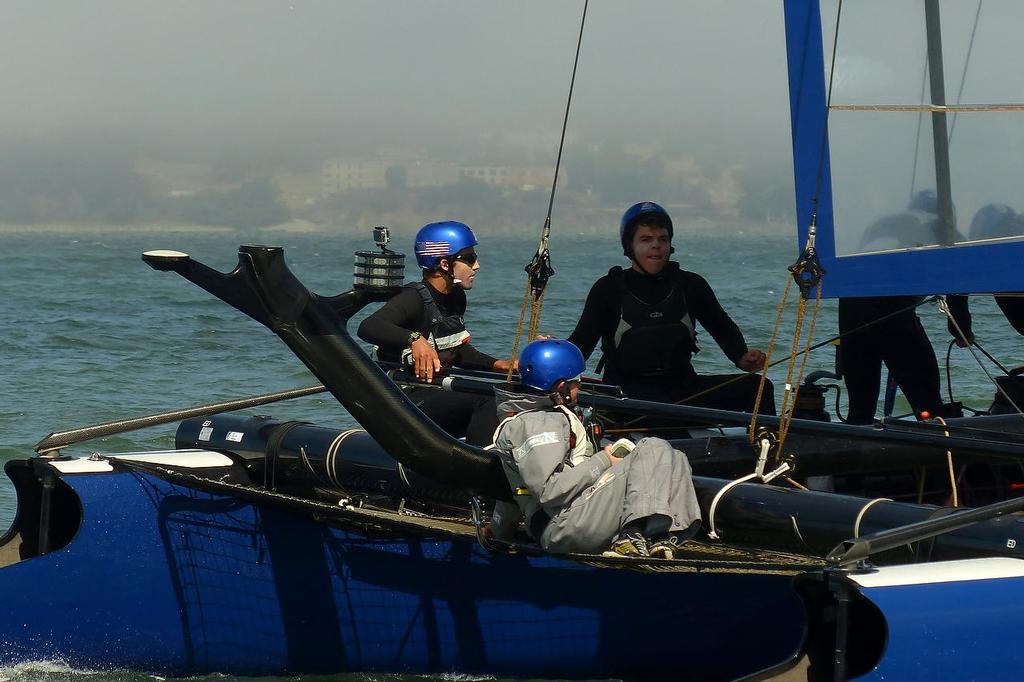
576	497
422	328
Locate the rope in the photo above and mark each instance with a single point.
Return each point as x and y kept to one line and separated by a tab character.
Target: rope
787	417
820	344
949	315
963	76
539	269
949	462
519	328
767	359
928	108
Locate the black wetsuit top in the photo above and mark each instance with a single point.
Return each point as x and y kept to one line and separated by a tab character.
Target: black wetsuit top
389	327
1012	307
673	291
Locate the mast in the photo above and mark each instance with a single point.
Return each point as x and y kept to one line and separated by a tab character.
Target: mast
940	136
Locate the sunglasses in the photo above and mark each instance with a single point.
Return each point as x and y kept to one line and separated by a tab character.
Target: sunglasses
468	258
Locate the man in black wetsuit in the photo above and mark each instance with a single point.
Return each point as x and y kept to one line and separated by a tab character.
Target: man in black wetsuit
900	342
645	319
422	328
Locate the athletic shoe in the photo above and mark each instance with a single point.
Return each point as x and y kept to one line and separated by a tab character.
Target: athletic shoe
666	548
670	546
629	544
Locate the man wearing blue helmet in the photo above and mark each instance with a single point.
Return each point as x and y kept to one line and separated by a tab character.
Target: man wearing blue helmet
645	317
574	495
422	328
994	221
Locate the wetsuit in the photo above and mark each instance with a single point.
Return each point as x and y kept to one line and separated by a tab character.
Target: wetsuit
1012	306
645	324
900	342
439	318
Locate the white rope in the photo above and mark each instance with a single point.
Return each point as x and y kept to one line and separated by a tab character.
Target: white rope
933	108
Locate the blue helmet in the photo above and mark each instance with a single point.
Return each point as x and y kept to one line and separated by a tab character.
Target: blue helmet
542	364
441	240
993	221
645	209
925	201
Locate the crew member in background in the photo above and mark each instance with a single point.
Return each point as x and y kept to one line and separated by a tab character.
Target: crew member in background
900	342
422	328
993	221
631	501
645	316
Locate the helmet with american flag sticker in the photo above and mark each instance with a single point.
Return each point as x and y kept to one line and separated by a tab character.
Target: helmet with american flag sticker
441	240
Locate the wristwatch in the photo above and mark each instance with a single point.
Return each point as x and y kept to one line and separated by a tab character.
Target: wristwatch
413	337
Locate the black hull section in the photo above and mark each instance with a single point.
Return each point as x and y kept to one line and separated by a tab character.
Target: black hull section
314	328
750	515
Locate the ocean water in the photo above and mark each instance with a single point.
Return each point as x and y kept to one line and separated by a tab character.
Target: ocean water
91	334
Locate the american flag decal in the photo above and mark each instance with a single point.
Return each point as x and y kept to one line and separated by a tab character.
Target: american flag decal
433	248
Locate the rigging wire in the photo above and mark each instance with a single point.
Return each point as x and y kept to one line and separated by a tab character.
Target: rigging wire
963	76
820	344
959	96
539	269
807	273
917	136
999	389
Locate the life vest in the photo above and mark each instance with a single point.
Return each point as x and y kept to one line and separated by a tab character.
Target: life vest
580	448
444	332
649	340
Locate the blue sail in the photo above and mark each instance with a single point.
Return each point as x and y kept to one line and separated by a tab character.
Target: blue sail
909	149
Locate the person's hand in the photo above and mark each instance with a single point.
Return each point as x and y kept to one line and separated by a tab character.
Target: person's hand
961	343
608	451
752	360
542	337
506	365
425	359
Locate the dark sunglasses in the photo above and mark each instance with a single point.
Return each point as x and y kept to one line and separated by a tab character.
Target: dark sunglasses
468	258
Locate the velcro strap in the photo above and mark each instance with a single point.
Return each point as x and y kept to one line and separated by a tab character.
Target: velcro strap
538	522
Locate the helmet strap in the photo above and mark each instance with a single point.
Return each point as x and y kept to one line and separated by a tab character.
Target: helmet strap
560	396
442	279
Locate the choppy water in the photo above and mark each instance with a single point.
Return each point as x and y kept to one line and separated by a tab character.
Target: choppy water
90	333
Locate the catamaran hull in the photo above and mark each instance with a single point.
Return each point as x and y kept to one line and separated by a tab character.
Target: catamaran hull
168	579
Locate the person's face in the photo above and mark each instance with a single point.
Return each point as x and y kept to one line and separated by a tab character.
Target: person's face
651	248
570	392
464	266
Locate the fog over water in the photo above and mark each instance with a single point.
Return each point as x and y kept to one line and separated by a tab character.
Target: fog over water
297	78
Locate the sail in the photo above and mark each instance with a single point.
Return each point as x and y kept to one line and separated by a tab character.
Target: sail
909	148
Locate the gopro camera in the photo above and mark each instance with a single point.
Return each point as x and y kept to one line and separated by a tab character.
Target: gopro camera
381	236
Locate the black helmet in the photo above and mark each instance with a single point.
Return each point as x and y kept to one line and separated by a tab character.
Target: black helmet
648	210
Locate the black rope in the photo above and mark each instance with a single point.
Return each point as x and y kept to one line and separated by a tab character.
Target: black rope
963	76
826	342
539	269
828	108
949	380
994	361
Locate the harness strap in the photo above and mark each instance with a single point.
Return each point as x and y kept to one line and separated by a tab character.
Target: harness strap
273	449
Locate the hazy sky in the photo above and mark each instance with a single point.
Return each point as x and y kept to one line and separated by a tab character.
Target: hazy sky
199	77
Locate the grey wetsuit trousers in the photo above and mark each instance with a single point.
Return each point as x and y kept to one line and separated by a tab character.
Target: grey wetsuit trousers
652	480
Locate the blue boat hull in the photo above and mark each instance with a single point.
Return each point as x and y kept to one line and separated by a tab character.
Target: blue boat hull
172	580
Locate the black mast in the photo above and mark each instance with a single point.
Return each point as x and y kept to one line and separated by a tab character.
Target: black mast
940	136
